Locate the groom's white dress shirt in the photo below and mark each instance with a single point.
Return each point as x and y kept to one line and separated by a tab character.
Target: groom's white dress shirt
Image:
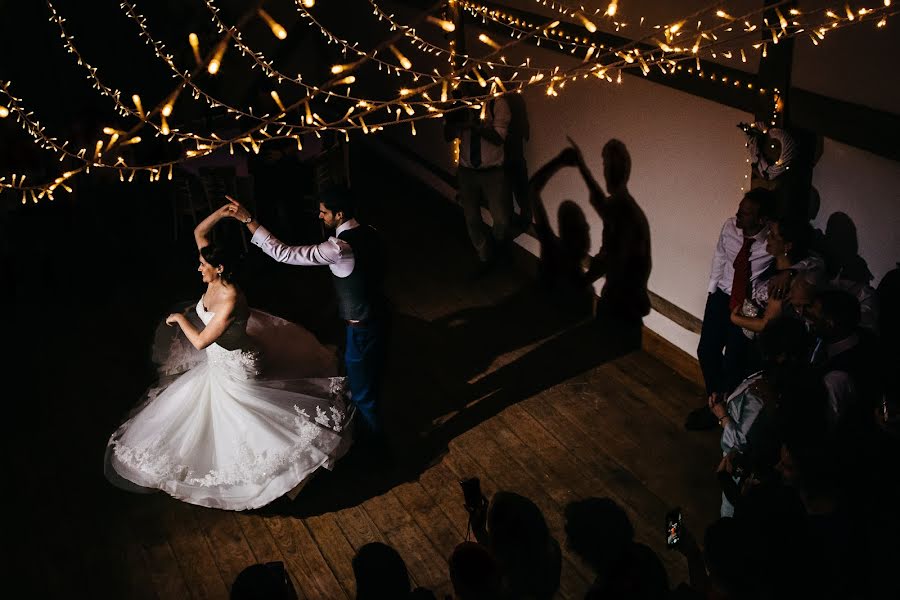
334	252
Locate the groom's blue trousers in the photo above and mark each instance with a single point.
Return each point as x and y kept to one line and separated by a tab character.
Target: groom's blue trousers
364	361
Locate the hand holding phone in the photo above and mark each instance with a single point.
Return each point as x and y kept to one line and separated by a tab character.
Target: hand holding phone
674	527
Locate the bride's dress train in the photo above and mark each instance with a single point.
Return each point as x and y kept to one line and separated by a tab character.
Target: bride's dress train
221	431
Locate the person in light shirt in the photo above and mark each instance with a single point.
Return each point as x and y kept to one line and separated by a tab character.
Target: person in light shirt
356	260
739	261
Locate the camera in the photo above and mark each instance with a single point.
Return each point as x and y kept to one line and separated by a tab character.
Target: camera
472	496
674	527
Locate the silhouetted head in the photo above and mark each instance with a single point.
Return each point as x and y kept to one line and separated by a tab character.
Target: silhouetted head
616	165
574	232
380	573
598	530
336	206
262	582
841	240
473	572
217	262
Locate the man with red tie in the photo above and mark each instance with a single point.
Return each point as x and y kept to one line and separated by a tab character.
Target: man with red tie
739	260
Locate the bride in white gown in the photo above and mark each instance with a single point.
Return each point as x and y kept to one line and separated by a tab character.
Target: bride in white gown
244	411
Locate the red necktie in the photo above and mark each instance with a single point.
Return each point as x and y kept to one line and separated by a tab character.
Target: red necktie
741	283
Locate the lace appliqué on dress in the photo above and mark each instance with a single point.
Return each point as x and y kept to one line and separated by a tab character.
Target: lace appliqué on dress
249	468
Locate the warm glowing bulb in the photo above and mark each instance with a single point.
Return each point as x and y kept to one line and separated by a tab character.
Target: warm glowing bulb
442	23
166	109
484	39
338	69
404	92
587	23
309	3
277	100
195	46
346	80
215	63
277	30
611	9
722	14
404	62
4	112
164	126
137	104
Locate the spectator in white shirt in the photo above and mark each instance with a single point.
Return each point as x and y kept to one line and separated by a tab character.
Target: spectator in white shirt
724	350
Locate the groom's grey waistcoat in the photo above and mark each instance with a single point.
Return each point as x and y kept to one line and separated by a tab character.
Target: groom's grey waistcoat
359	295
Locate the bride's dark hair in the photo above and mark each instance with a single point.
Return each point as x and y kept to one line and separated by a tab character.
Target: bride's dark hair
221	256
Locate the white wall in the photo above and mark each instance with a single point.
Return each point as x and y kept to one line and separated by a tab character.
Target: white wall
689	171
688	167
867	188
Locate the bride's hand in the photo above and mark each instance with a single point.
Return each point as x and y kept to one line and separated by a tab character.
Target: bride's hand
173	319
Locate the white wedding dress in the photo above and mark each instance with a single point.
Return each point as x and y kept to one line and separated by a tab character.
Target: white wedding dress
220	430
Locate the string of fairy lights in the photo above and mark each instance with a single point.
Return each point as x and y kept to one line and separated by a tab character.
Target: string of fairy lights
672	48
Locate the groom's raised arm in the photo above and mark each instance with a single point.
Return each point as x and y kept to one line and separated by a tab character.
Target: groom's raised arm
329	252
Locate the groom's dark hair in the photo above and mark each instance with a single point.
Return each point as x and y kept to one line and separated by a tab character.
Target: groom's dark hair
338	199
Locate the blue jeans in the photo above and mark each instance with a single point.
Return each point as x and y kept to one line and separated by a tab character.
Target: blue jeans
364	358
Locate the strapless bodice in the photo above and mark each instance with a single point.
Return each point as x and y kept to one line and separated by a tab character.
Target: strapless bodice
234	349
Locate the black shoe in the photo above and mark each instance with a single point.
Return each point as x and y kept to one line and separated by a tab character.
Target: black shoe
701	419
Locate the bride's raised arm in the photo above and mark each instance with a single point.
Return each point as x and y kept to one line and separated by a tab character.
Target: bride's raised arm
201	338
201	231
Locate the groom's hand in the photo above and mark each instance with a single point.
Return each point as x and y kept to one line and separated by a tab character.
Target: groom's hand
236	211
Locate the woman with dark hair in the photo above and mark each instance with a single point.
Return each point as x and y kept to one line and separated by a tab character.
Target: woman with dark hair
217	432
788	243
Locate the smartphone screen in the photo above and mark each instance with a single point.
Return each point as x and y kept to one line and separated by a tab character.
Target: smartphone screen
673	527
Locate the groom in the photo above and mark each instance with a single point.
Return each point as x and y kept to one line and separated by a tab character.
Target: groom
354	256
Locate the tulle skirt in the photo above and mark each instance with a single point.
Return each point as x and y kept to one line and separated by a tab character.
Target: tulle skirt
235	428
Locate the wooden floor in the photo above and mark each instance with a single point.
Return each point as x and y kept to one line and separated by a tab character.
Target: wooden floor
492	380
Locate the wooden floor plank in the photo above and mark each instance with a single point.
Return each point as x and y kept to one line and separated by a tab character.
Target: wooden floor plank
598	448
307	564
226	540
165	572
194	555
427	568
263	545
513	477
336	550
